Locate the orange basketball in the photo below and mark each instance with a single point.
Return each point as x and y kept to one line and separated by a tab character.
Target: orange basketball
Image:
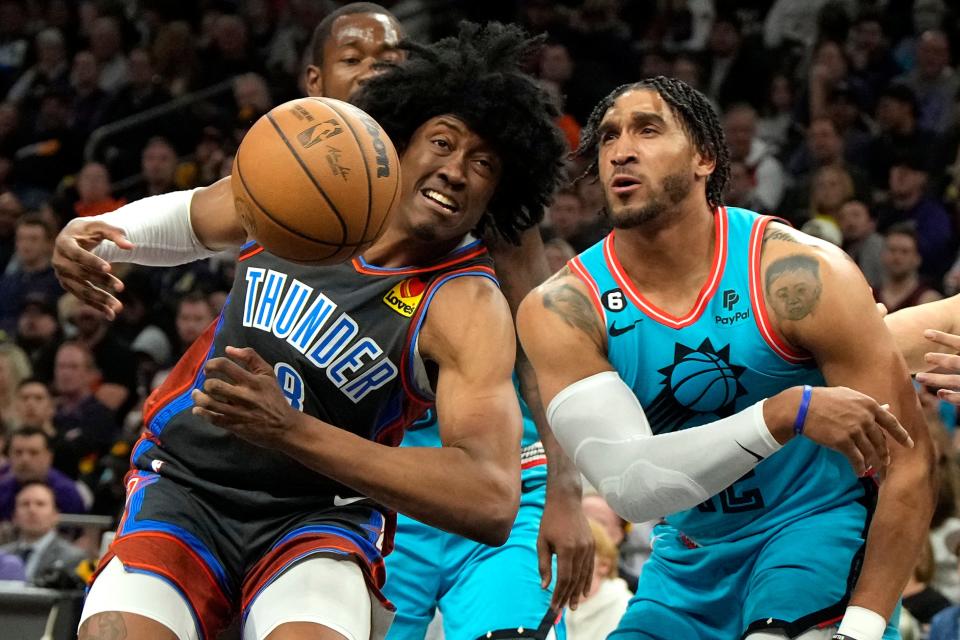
315	180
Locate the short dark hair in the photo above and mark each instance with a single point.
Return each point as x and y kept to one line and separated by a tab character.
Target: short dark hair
325	27
695	114
33	483
29	432
905	228
477	77
797	262
194	297
36	219
34	380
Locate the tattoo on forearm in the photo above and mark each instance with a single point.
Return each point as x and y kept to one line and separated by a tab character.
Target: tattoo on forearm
793	286
104	626
575	309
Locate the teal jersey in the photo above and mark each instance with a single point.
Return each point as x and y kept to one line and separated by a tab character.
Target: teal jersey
425	433
719	358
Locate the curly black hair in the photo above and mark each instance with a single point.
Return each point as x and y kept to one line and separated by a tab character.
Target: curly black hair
695	114
476	76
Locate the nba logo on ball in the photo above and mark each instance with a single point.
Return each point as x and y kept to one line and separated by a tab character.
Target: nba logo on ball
703	382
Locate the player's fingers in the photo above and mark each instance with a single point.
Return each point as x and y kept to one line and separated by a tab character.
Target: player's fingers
218	419
208	402
231	394
227	369
943	360
588	573
250	359
115	235
948	340
879	442
953	397
94	296
562	590
940	380
855	457
891	424
870	455
882	308
545	562
576	581
69	254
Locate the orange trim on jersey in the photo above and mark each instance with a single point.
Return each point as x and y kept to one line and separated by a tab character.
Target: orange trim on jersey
473	253
183	374
167	556
535	462
576	266
770	336
706	292
250	252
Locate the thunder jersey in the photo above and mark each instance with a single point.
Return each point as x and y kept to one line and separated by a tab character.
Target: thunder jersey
341	340
719	358
425	432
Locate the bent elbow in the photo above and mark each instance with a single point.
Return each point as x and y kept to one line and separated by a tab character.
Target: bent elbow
500	514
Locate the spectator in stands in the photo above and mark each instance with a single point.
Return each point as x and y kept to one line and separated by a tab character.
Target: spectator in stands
36	407
39	334
945	519
38	544
230	53
175	57
871	61
31	460
933	82
252	97
88	98
741	189
10	212
909	201
824	146
85	426
50	72
901	285
919	598
830	188
559	252
861	240
159	166
194	315
52	150
106	44
896	118
14	44
208	157
600	611
32	272
740	126
732	73
776	126
14	368
112	357
95	194
828	72
597	510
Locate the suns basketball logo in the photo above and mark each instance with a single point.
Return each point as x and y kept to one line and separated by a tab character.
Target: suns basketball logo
405	296
700	380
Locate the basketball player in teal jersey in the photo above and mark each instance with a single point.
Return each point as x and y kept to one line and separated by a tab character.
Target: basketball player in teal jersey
693	312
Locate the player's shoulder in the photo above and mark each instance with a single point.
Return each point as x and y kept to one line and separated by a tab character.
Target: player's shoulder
462	299
781	240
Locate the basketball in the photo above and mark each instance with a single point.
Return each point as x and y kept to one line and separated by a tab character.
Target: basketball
315	180
703	382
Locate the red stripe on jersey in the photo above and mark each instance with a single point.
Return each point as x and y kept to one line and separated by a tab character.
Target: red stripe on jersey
249	252
770	335
183	374
576	266
373	271
706	292
169	557
274	562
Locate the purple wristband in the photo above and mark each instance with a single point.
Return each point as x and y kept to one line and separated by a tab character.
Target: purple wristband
802	412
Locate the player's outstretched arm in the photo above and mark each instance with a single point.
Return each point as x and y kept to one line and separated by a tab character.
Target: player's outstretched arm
909	327
471	485
166	230
601	425
564	530
819	302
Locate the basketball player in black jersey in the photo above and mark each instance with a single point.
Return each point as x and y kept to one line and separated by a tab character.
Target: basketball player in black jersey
232	528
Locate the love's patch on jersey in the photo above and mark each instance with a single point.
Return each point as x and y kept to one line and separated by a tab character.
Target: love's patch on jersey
405	296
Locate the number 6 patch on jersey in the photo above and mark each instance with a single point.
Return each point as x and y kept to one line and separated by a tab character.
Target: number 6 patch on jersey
613	300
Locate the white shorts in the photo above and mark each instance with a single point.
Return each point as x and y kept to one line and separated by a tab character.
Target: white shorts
322	590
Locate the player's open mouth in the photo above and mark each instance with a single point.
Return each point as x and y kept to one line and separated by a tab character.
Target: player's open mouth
623	184
447	203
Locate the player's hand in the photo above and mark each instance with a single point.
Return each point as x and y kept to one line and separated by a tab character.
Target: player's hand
84	274
564	532
948	384
855	425
241	394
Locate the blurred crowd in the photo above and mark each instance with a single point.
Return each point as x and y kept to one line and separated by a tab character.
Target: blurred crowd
842	117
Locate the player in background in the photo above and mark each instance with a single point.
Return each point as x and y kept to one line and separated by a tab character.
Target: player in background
233	528
694	311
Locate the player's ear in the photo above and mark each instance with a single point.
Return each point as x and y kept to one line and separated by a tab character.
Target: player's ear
703	165
313	81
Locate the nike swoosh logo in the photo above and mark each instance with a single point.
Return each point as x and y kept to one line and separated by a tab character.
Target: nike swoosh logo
758	457
619	331
342	502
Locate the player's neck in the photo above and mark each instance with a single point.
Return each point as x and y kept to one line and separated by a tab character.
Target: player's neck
397	248
657	256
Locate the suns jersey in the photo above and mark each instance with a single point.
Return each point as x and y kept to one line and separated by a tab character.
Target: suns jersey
719	358
341	340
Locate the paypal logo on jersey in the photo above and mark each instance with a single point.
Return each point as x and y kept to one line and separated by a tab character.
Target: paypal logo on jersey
306	320
730	300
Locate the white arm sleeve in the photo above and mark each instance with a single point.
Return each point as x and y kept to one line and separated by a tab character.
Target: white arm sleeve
160	229
602	427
